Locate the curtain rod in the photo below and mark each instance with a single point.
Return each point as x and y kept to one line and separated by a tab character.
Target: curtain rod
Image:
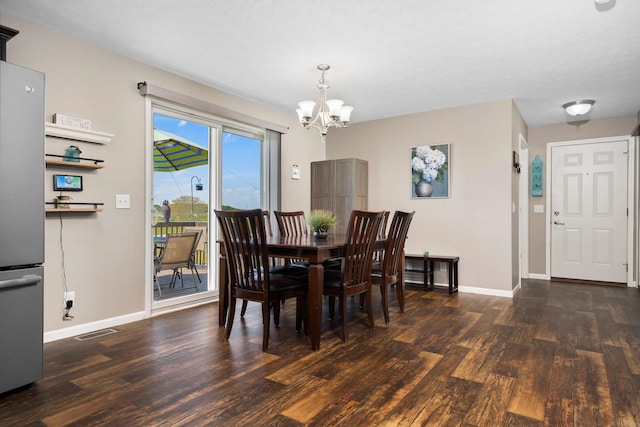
207	107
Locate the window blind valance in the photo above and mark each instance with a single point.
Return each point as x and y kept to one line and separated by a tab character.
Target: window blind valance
186	100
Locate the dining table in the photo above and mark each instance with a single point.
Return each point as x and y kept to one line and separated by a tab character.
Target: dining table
316	251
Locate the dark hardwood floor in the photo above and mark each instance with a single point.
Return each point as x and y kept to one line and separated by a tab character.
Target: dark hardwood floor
558	354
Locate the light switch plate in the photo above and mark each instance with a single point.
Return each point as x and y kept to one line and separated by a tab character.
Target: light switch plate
123	201
295	172
538	208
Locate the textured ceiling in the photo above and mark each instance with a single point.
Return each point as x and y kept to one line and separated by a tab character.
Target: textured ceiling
388	57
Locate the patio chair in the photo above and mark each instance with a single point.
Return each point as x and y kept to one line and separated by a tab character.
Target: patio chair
192	262
176	255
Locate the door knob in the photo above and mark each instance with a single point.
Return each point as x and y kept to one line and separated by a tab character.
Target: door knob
558	223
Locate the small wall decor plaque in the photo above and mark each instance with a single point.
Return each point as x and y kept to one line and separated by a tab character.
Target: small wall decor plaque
74	122
536	177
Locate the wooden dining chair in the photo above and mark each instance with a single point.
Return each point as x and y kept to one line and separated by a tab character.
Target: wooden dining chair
386	273
249	278
353	278
275	266
377	254
382	235
291	223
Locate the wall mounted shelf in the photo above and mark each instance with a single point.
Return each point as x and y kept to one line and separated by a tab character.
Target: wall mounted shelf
74	207
77	134
84	163
72	210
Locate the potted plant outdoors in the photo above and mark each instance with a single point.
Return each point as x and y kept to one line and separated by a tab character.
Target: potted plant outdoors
321	221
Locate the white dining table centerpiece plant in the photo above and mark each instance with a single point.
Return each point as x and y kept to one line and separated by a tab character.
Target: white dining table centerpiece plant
321	221
426	165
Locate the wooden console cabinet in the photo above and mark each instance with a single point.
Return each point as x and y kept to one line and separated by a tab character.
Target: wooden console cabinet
340	186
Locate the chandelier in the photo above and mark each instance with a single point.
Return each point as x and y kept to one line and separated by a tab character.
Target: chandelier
331	113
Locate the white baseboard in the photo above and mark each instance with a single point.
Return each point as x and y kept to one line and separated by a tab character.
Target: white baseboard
92	326
486	291
516	289
479	291
539	276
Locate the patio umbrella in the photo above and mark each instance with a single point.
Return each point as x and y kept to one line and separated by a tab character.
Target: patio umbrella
172	152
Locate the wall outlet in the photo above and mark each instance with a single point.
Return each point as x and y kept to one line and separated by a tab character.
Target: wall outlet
123	201
443	266
69	296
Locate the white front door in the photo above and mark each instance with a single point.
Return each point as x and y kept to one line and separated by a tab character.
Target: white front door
589	211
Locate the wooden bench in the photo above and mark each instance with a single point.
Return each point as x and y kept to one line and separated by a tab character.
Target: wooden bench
428	271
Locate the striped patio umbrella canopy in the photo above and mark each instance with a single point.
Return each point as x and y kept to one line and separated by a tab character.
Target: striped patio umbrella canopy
172	152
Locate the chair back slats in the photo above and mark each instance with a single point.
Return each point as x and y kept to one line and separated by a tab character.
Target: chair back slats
267	223
244	237
395	241
382	232
361	237
291	223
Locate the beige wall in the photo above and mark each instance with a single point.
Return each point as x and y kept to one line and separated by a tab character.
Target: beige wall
475	222
539	137
104	252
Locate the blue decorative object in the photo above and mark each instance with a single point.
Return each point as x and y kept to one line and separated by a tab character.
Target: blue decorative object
72	154
536	177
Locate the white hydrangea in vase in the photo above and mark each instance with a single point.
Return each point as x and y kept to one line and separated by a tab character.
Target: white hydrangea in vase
426	165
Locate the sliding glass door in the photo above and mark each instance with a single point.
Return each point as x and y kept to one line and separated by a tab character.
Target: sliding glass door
202	163
182	191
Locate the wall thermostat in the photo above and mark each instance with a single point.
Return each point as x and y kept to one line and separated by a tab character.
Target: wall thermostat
67	183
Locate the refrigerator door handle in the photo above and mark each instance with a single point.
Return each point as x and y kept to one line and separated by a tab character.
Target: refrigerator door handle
28	280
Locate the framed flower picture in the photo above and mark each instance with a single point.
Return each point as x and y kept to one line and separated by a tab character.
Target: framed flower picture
430	165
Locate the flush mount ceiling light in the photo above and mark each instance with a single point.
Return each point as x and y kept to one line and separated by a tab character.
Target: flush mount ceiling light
331	113
578	108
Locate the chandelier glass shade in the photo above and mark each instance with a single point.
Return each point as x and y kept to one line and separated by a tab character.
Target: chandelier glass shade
331	113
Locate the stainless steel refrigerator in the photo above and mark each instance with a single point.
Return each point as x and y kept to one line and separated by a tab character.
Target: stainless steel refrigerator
21	225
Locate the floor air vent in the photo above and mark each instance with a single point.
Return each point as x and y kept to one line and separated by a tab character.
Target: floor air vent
95	334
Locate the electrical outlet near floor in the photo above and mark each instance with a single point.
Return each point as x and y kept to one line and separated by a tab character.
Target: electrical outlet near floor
69	296
443	266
